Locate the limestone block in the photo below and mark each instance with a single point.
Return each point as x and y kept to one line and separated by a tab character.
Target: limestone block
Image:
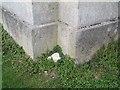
88	41
66	39
22	9
80	14
68	13
34	39
96	12
45	12
44	38
19	30
82	44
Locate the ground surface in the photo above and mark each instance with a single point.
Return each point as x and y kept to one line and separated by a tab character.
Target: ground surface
19	71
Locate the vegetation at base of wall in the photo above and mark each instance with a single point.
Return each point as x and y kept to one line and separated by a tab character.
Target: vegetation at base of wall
19	71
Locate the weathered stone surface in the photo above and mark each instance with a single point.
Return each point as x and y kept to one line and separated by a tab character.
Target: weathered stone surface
88	41
44	38
22	9
66	38
68	13
80	14
96	12
19	30
35	13
82	44
34	39
45	12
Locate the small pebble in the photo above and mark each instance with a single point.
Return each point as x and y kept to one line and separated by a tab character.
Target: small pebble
46	73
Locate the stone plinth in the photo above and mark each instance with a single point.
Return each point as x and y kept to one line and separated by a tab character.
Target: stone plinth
80	28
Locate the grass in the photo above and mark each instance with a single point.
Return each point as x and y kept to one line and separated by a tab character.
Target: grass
19	71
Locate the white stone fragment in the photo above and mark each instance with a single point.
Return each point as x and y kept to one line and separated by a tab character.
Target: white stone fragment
55	57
